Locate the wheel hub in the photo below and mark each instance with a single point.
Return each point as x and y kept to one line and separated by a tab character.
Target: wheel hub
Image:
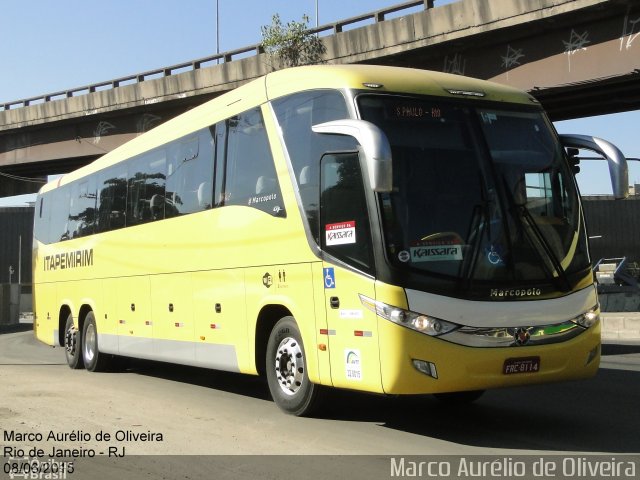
70	341
89	343
289	366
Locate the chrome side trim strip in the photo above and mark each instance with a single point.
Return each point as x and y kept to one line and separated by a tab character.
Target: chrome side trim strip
207	355
108	343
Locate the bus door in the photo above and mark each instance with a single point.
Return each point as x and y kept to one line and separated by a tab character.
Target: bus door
345	237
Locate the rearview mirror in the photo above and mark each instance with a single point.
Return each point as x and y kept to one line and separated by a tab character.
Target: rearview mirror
618	169
375	146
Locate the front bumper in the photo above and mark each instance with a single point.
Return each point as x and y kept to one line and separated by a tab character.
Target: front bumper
461	368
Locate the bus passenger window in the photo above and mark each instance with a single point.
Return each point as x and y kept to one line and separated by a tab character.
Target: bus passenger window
250	175
59	226
41	227
189	175
82	209
146	189
219	136
112	198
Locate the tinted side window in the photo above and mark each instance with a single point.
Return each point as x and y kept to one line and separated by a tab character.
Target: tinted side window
207	153
59	226
250	176
82	208
146	188
219	133
189	176
112	198
42	218
344	220
296	115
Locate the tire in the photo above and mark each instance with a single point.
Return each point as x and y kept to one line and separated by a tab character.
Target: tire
72	344
94	361
286	367
459	398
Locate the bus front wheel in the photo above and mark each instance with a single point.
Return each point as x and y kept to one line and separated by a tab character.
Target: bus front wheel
286	369
72	344
94	361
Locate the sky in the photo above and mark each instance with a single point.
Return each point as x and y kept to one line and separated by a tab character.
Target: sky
53	45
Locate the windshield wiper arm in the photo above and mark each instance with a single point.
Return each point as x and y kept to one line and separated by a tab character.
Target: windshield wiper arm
542	245
480	222
478	225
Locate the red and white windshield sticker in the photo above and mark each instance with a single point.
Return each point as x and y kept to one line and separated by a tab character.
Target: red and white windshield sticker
340	233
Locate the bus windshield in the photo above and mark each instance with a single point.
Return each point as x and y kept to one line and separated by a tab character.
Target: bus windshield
482	195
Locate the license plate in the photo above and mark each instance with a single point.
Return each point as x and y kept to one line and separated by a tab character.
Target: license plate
521	365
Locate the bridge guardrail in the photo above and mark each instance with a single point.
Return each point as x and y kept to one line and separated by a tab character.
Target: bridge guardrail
228	56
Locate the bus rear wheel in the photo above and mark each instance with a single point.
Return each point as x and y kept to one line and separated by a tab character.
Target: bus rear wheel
94	361
72	344
286	368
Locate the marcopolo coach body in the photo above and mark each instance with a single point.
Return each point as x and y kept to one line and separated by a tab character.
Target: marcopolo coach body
372	228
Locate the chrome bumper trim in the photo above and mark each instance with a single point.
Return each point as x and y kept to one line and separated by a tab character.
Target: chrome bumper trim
514	336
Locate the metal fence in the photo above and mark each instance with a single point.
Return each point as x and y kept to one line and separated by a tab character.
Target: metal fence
613	227
16	232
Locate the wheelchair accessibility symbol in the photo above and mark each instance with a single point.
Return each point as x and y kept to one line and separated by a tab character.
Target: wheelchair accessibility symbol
329	278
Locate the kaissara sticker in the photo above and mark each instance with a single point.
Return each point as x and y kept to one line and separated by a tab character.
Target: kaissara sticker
352	362
340	233
434	253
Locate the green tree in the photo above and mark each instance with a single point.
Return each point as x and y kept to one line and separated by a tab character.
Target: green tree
291	45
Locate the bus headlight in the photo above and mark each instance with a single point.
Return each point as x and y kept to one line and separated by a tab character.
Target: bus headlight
419	322
588	319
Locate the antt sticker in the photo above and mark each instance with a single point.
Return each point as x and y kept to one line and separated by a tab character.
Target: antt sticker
352	364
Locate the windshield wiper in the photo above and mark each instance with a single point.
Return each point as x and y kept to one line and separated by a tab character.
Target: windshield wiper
542	245
539	241
480	224
479	220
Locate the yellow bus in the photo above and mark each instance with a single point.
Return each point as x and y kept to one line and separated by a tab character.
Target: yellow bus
371	228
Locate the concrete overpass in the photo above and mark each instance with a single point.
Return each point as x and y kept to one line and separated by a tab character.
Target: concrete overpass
579	57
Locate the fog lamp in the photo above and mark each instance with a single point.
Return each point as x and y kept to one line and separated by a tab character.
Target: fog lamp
425	367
